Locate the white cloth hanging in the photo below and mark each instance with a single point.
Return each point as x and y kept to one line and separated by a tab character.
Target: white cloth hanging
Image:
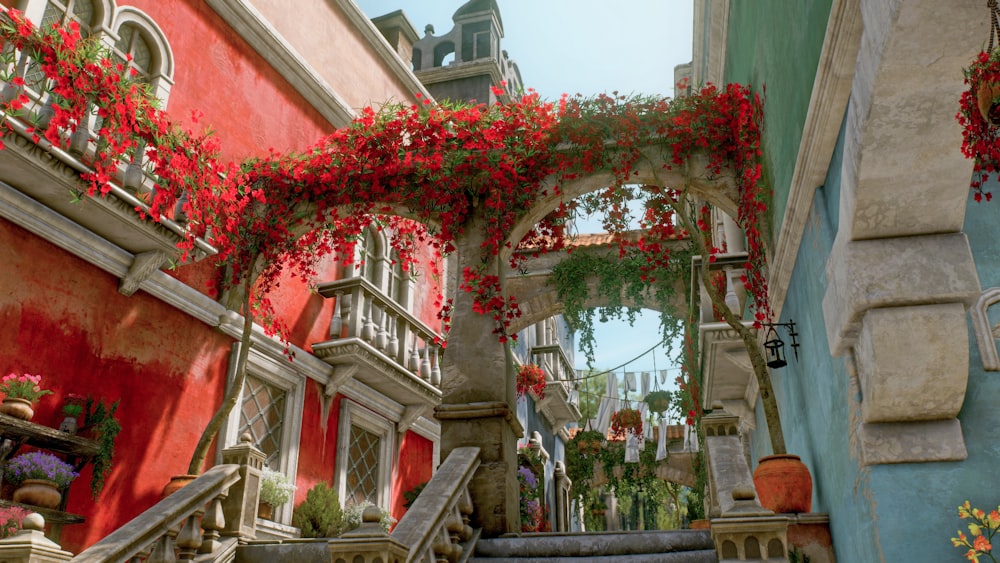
645	383
631	448
630	381
661	441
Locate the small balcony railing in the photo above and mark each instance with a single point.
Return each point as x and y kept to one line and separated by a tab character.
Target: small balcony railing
560	405
558	368
367	328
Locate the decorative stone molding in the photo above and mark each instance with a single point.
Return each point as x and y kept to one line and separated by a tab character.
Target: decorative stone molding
760	538
985	335
31	546
240	506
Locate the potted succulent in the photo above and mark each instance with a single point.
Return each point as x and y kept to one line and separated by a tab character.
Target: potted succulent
275	490
39	478
531	377
20	392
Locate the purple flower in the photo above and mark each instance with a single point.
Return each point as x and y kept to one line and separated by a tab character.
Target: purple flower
39	465
527	477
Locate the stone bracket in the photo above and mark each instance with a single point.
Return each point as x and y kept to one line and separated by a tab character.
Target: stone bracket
143	266
912	442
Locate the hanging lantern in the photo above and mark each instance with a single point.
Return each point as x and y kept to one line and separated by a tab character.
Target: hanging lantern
775	347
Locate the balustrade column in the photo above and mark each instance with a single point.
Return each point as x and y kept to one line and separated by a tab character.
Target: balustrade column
240	505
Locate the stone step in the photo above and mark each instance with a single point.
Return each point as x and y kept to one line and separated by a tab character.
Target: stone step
699	556
681	546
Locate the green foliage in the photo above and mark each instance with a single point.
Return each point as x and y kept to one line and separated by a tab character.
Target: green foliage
411	495
319	516
101	420
353	516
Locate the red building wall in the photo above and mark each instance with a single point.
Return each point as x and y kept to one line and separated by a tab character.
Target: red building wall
64	318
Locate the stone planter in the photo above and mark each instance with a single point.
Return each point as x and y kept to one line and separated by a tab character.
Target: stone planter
38	492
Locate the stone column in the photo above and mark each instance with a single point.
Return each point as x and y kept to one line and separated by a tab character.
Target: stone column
477	380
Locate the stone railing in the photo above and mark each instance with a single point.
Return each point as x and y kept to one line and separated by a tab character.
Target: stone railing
364	314
204	520
436	527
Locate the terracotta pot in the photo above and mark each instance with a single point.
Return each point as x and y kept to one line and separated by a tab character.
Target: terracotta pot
699	524
38	492
783	484
986	96
265	511
177	482
18	408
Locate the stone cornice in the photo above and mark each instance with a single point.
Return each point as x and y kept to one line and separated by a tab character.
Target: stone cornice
270	45
830	93
399	67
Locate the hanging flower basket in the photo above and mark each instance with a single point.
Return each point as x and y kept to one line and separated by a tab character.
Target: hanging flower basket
979	116
626	420
589	442
658	401
530	377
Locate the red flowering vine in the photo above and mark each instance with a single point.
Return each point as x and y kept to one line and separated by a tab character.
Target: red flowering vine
626	420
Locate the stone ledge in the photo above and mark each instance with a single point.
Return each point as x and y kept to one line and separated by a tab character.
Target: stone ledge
912	442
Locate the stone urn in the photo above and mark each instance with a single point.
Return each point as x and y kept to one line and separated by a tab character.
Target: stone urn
177	482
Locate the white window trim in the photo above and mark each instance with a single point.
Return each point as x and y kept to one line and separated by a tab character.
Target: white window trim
281	376
352	413
161	77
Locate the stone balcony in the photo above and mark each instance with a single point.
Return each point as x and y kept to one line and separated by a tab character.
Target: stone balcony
560	405
378	342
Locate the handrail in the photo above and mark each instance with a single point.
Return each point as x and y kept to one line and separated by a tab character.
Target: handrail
438	521
154	530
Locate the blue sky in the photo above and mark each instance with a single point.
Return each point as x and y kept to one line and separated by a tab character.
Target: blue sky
586	47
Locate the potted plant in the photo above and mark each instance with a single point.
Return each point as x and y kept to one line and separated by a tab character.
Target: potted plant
658	401
72	411
320	515
352	516
39	478
20	391
627	420
531	377
979	116
275	490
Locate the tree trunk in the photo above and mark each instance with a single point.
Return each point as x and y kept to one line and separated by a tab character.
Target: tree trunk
233	393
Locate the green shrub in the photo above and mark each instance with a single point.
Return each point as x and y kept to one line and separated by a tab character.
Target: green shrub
319	516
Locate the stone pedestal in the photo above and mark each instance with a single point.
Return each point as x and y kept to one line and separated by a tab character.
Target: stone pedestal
31	546
240	505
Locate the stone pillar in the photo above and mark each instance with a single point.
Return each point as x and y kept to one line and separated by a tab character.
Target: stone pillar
478	383
31	546
240	505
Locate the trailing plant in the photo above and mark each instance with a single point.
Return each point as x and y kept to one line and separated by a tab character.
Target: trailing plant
979	116
319	515
531	503
659	401
100	418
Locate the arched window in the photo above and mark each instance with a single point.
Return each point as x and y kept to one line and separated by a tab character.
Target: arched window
383	269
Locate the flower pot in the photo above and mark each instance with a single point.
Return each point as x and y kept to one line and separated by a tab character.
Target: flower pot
68	425
986	99
265	510
699	524
18	408
783	484
38	492
177	482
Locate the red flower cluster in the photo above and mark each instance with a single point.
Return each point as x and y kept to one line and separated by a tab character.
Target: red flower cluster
979	138
530	377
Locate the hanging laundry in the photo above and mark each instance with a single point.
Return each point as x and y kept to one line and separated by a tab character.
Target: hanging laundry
630	381
663	377
631	448
645	383
661	441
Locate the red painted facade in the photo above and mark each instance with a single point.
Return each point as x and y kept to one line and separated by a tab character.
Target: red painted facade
64	318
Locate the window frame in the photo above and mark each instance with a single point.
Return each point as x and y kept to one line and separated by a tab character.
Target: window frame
352	413
293	384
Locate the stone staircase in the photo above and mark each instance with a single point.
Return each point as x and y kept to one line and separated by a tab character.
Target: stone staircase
676	546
